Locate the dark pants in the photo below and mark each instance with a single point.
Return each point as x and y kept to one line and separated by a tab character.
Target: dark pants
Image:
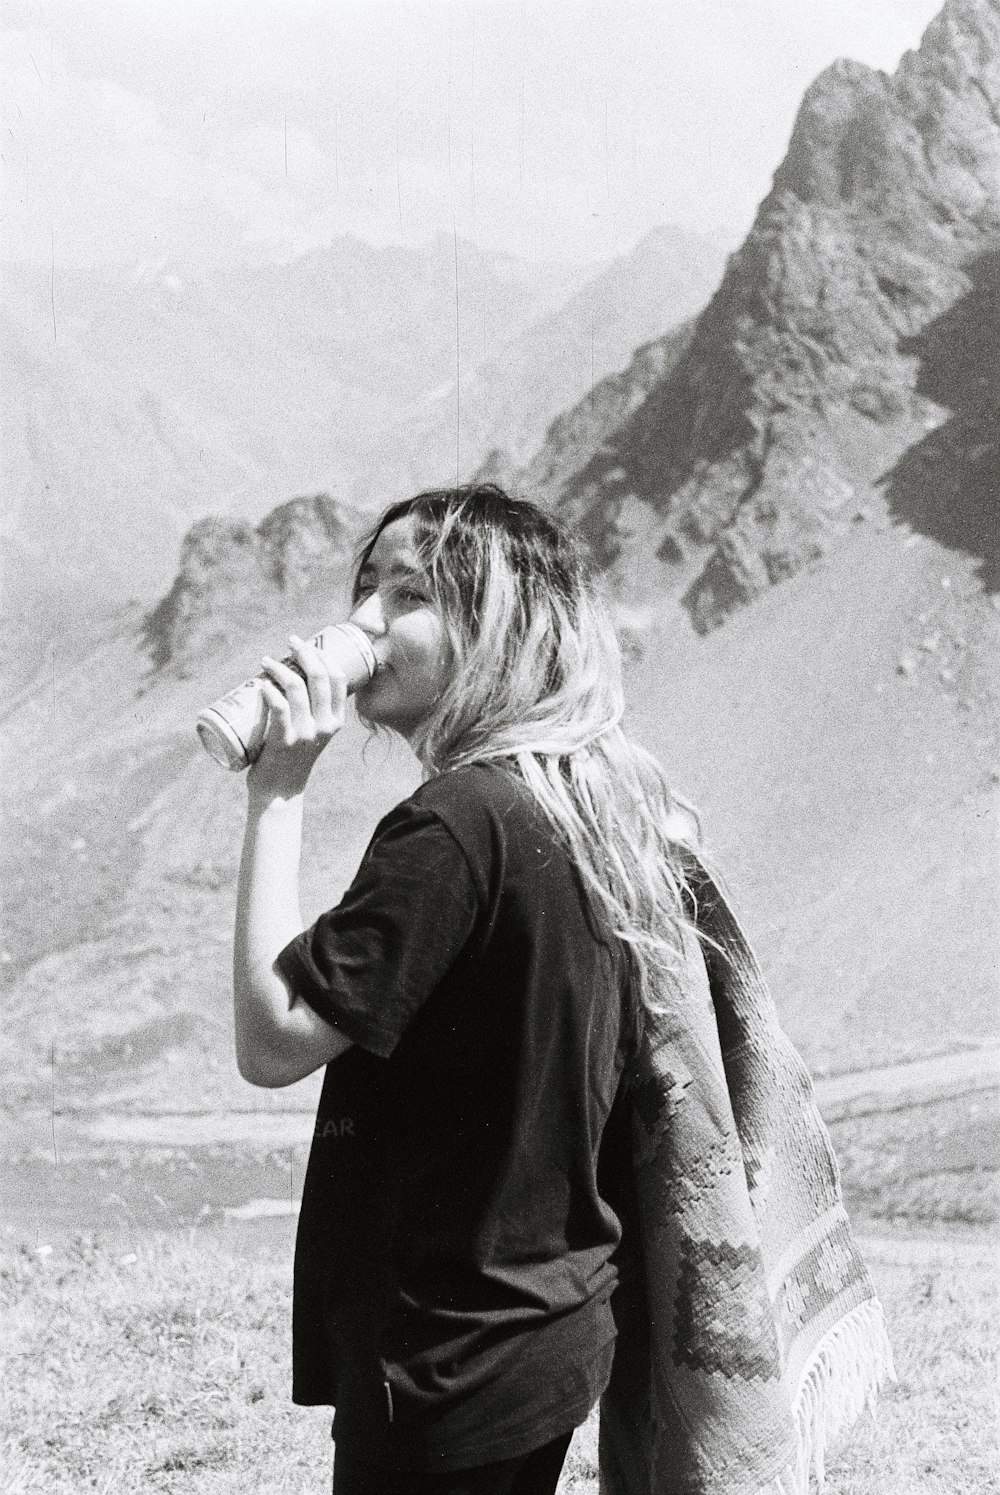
535	1473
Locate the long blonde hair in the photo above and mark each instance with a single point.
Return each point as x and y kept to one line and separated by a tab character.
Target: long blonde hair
537	688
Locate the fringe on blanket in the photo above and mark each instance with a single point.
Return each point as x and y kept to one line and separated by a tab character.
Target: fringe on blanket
848	1368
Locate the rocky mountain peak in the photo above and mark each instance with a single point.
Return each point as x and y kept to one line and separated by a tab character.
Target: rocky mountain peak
836	153
301	539
802	382
916	142
230	569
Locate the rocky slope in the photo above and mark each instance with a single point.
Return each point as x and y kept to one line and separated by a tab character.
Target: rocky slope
119	858
586	434
852	341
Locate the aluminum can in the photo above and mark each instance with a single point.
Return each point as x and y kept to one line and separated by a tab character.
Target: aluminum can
232	730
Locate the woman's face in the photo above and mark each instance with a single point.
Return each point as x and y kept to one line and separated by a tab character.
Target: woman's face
395	610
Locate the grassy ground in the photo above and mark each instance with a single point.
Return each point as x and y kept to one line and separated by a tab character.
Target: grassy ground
161	1364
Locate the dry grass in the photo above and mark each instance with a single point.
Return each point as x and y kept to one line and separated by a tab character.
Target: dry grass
163	1366
937	1431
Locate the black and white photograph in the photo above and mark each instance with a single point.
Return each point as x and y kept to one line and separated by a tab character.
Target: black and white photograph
500	747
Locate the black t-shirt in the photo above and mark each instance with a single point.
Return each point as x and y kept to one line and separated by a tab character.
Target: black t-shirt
454	1255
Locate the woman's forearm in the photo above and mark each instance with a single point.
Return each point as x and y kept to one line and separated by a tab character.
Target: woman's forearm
267	917
278	1040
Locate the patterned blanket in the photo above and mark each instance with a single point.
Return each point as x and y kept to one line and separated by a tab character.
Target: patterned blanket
750	1333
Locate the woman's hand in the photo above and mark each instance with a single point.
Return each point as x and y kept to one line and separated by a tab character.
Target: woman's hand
306	711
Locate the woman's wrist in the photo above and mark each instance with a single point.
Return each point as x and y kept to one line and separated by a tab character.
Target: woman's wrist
275	793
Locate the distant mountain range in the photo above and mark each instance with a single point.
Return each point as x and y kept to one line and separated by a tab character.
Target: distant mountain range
502	407
828	422
131	408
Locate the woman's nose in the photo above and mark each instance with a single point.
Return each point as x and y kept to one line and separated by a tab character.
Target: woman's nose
369	616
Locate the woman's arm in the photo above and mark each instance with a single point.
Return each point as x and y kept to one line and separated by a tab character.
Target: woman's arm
280	1039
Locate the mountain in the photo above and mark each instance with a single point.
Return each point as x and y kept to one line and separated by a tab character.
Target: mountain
233	574
504	405
131	407
851	344
586	432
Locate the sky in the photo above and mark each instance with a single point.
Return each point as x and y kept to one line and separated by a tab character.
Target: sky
206	131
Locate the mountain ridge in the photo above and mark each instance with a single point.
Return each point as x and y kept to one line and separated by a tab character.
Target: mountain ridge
799	386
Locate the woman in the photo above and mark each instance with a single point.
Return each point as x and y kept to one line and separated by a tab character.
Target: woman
477	996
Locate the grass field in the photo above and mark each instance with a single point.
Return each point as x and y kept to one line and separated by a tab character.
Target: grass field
162	1364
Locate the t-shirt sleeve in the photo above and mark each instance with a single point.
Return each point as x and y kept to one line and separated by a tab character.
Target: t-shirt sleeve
368	965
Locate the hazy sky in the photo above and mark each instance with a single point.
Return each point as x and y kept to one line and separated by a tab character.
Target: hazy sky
218	129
